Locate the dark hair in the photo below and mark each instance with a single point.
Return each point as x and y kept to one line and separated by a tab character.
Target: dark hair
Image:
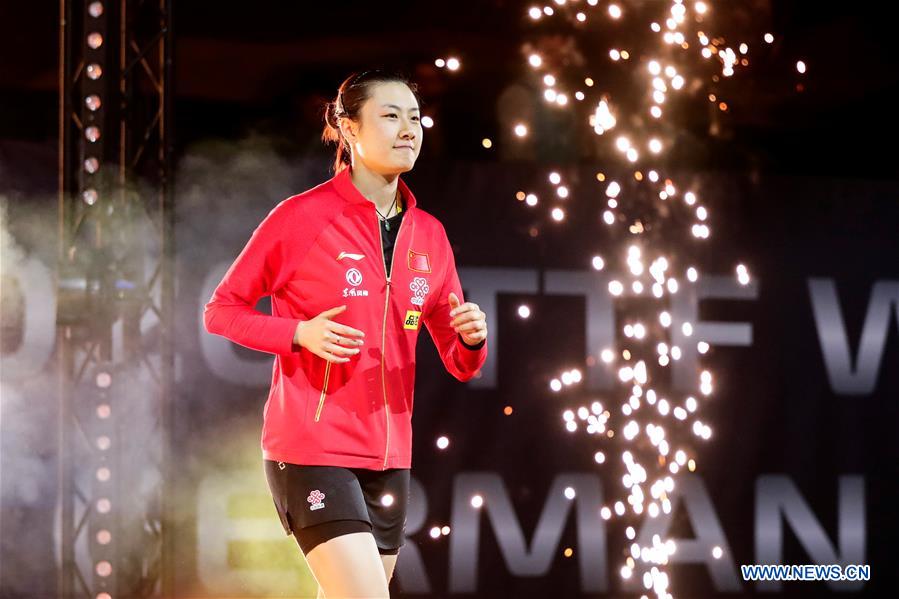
351	95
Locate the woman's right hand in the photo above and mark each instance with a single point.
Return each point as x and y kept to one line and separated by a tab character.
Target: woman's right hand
328	339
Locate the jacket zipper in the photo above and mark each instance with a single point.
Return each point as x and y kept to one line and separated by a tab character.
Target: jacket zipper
321	400
384	327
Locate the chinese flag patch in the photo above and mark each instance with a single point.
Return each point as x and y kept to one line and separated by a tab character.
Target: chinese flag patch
419	262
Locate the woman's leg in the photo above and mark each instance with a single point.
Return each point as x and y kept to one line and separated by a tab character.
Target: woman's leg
349	566
389	562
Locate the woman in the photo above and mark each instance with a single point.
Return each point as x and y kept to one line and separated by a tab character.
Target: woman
353	267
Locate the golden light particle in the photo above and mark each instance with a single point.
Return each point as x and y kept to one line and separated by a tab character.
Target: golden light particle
520	196
507	410
568	552
600	177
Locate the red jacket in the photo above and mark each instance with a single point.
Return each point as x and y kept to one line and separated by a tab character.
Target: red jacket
319	250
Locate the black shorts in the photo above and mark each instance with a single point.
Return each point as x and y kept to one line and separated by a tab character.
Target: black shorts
318	503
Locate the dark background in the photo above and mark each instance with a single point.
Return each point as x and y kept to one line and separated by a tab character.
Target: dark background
800	184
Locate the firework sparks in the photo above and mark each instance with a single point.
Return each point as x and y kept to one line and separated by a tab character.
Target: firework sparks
656	432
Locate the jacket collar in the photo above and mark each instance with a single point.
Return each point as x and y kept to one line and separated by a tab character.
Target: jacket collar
348	191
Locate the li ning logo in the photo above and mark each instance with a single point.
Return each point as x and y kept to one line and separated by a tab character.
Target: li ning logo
315	498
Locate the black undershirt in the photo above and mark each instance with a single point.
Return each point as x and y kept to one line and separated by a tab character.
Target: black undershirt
389	237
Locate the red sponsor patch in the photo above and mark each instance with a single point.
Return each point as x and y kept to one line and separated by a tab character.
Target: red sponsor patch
419	262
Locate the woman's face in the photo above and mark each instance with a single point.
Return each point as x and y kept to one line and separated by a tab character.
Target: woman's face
387	138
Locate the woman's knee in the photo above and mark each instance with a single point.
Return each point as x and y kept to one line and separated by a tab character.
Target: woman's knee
349	566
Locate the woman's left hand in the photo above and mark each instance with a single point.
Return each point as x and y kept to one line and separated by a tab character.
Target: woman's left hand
468	320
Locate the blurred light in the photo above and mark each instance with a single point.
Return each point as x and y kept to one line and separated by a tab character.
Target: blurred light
487	143
90	197
442	442
104	568
91	165
387	500
521	130
614	11
769	38
104	505
549	80
800	66
558	214
94	40
440	63
524	311
535	60
94	71
453	64
92	133
95	9
93	102
477	501
427	122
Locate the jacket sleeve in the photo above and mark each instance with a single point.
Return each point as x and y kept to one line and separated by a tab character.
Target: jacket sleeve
461	360
259	271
